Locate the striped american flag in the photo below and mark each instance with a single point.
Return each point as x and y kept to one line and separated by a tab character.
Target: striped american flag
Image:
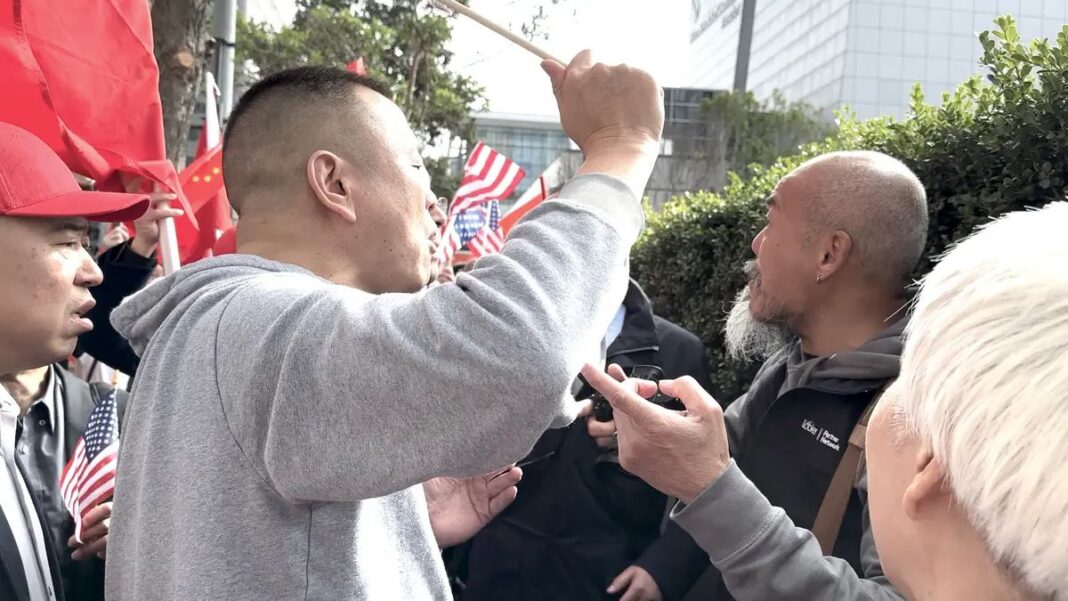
89	477
489	176
491	238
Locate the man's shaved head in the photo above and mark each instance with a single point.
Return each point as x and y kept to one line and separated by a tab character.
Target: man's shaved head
284	118
327	174
844	231
878	201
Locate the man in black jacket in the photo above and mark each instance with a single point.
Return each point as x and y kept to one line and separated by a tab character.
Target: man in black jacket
126	268
579	518
56	411
826	301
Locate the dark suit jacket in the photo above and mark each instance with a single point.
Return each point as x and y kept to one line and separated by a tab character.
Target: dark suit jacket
72	580
13	585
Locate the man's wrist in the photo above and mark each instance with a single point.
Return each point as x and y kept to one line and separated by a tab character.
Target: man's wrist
623	150
143	248
630	160
701	482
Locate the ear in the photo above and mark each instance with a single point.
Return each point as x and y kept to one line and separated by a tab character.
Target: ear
928	484
833	254
330	186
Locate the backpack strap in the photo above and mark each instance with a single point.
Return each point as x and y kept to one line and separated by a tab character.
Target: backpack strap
833	508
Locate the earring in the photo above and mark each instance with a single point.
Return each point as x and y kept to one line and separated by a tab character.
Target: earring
819	278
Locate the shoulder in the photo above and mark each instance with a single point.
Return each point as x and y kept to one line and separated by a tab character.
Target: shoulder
289	287
79	398
270	296
671	335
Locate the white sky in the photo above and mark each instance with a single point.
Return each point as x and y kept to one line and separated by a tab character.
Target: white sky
651	34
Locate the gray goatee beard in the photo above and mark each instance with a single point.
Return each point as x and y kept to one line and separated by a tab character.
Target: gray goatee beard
749	339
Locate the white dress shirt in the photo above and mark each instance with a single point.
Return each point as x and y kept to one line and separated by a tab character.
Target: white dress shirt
18	509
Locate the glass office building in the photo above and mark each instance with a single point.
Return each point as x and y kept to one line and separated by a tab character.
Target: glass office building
863	53
532	141
536	141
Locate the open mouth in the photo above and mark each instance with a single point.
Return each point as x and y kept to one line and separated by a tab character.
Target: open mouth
83	322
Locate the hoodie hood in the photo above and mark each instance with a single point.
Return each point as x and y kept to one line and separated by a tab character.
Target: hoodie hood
143	314
848	372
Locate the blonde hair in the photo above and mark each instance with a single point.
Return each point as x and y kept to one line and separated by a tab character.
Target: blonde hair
984	379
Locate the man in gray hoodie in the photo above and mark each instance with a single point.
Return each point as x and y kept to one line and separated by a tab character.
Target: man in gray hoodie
293	398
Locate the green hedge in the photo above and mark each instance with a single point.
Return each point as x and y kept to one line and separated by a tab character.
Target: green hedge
994	145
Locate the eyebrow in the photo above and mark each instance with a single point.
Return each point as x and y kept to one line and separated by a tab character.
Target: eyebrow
770	201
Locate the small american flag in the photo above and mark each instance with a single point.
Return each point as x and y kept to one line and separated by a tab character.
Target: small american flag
491	238
89	477
488	177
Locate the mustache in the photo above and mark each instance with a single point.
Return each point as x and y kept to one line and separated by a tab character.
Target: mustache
751	271
748	338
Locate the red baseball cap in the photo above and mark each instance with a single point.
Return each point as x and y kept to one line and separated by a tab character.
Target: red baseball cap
34	182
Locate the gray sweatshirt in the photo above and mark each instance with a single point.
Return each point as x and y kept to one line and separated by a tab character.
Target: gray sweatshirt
280	425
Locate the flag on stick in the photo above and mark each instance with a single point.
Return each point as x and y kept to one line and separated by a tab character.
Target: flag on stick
488	176
491	238
84	79
202	181
89	477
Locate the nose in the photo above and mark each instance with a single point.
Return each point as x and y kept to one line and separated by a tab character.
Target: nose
437	212
757	240
89	273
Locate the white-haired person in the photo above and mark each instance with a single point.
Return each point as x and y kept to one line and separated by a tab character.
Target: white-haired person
966	452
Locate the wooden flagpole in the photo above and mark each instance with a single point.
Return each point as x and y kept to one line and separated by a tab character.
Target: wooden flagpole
168	243
456	7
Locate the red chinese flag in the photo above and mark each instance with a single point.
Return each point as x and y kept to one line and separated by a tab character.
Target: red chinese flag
202	181
213	220
203	185
83	78
357	67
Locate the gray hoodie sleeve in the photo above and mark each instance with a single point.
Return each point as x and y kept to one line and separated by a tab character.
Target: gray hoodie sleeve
764	557
339	395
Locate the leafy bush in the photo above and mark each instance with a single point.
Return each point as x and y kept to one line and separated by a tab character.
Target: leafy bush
992	146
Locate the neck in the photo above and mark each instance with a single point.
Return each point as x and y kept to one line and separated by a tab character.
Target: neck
983	581
953	562
844	323
26	387
292	245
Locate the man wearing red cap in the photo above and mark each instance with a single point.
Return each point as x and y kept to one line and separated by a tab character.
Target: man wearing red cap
46	275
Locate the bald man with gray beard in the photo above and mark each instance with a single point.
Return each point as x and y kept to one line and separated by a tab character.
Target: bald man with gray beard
825	308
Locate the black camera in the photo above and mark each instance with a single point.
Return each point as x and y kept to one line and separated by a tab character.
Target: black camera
602	409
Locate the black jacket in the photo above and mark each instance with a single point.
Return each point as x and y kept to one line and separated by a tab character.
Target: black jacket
125	272
783	433
580	519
